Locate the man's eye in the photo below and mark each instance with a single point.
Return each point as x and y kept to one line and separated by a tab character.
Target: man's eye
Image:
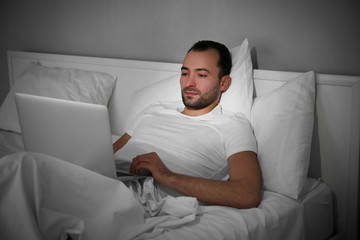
184	74
202	75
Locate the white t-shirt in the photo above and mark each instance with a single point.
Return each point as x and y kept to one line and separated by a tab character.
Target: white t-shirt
197	146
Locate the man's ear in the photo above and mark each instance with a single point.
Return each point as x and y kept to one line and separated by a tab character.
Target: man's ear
225	83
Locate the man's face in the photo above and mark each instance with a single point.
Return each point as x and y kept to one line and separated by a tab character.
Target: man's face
199	80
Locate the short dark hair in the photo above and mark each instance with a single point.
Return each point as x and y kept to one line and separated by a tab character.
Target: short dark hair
224	62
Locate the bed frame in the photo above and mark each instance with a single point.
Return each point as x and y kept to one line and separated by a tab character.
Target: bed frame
335	145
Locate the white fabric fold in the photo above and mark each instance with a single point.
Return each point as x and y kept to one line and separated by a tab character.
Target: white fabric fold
46	198
56	225
163	212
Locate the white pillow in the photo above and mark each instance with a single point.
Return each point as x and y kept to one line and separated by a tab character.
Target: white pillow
238	98
68	84
283	124
165	90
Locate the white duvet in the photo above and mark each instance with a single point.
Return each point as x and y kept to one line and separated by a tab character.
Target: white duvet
45	198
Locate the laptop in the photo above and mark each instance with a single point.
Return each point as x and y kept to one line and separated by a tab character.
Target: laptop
76	132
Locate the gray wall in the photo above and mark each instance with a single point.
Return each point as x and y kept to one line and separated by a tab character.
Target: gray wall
322	35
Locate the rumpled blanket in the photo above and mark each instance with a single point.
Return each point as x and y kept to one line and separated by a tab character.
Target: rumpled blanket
42	197
46	198
162	211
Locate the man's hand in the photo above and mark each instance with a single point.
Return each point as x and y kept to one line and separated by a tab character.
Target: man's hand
153	163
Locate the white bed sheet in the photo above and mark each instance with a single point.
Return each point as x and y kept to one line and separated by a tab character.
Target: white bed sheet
277	217
318	208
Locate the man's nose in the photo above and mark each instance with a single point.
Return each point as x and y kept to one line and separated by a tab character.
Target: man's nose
191	81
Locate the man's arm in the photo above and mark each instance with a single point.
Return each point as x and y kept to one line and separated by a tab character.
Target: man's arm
121	142
242	190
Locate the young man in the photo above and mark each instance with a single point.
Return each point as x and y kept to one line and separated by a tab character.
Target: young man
192	149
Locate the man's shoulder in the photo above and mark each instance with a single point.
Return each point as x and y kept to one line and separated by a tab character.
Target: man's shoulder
233	116
229	121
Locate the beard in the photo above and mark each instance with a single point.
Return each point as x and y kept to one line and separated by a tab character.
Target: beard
205	99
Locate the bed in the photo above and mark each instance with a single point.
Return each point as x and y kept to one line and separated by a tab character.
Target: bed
322	201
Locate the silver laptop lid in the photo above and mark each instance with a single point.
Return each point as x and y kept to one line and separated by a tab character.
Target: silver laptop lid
76	132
